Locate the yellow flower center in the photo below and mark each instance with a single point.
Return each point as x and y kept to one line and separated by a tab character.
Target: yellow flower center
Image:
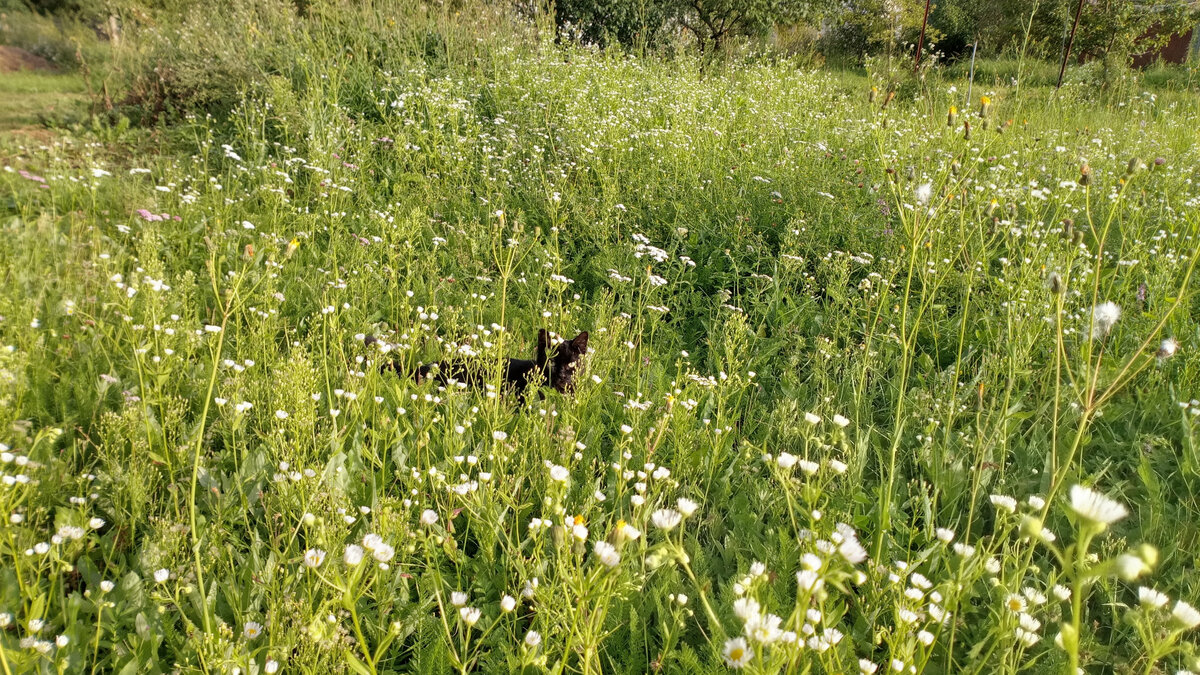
737	654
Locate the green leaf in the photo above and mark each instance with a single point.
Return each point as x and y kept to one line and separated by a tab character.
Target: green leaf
356	665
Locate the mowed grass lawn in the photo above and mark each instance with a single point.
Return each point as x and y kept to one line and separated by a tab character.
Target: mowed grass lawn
29	99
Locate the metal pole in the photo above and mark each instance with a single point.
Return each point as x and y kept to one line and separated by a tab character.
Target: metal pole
921	40
971	77
1070	42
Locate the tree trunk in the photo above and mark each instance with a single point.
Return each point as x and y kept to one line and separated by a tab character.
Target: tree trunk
1070	42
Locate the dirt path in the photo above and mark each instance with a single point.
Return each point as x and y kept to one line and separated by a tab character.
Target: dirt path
13	59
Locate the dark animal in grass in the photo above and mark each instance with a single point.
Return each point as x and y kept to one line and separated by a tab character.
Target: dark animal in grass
554	366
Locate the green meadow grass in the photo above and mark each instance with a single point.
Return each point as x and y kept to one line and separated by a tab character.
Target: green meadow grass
849	370
31	99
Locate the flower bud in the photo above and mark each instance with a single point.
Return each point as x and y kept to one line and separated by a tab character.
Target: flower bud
1067	638
1056	283
1031	526
1148	554
1129	567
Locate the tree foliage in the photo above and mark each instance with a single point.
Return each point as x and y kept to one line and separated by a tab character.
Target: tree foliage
710	22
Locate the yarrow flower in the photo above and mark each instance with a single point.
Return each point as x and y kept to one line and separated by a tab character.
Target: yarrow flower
1096	507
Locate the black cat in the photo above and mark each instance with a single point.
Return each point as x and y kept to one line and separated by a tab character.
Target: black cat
555	364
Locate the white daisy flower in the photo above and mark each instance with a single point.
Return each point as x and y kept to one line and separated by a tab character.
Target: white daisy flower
737	654
666	519
1187	616
1096	507
606	553
469	615
1152	599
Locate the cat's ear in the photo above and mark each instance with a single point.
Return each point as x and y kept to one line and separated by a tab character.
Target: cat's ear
579	344
543	346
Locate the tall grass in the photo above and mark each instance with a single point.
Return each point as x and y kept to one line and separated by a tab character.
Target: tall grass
849	373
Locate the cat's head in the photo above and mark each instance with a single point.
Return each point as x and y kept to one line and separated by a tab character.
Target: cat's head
561	361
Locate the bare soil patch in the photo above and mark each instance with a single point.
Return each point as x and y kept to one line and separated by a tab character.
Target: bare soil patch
13	59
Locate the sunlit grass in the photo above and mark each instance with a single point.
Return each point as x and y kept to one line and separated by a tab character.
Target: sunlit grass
849	369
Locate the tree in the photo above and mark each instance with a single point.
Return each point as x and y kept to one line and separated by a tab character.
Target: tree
1121	28
711	22
625	22
714	21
